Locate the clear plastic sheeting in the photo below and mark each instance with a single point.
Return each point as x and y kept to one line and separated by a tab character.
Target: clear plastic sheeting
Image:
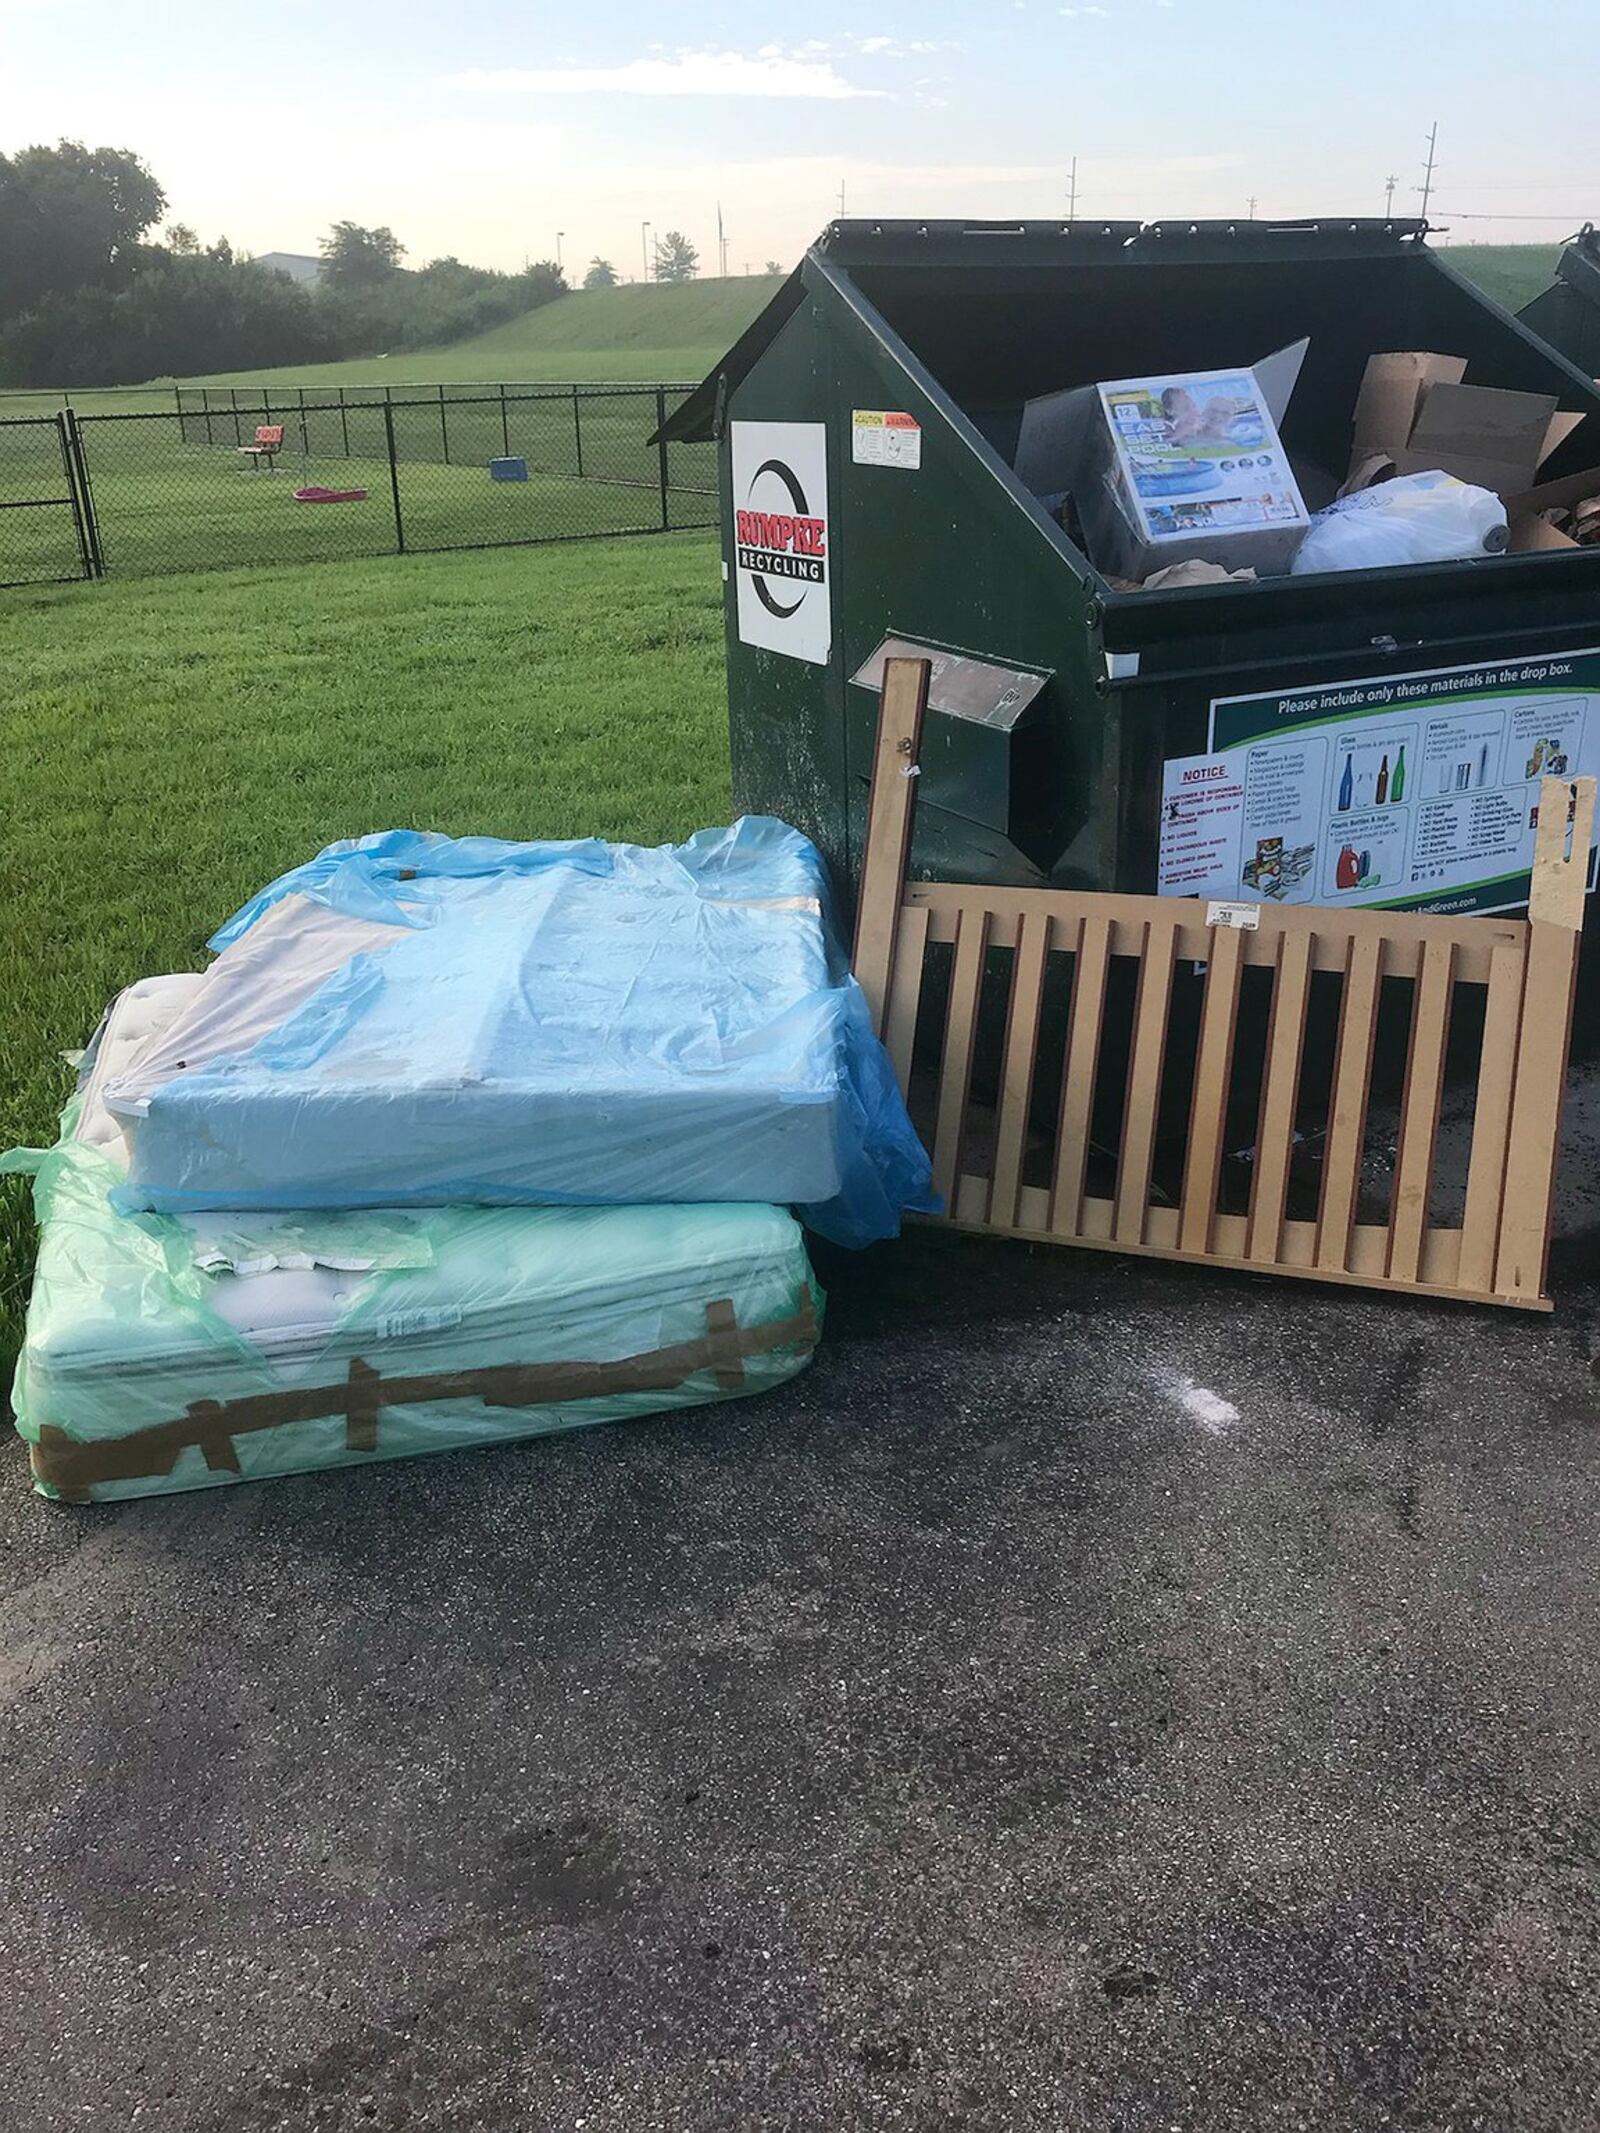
146	1370
412	1019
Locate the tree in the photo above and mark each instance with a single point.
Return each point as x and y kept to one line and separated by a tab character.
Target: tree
70	218
179	313
182	241
357	258
676	258
601	275
773	267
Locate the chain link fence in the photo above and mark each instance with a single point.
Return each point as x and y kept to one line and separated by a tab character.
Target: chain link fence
228	477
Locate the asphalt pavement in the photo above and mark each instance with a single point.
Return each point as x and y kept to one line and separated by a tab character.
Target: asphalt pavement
1097	1695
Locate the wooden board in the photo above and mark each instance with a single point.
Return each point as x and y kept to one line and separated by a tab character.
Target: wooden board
1524	971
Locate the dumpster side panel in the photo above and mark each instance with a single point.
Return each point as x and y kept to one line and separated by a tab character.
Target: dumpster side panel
1569	322
785	715
942	552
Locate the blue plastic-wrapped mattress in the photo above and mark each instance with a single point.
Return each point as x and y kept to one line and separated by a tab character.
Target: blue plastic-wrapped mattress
412	1019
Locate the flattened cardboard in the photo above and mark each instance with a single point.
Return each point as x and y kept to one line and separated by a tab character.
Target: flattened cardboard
1530	533
1414	414
1391	390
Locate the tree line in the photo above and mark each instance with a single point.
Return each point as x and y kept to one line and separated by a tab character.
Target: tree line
87	298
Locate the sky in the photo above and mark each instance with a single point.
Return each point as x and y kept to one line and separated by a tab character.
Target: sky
483	129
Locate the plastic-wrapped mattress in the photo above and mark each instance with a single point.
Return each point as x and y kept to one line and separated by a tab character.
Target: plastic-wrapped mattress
166	1353
416	1019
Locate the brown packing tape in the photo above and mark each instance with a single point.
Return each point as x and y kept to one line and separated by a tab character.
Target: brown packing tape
74	1466
361	1414
727	1358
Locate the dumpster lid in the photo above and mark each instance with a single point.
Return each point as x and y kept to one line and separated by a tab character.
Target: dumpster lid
1579	264
959	686
691	422
952	244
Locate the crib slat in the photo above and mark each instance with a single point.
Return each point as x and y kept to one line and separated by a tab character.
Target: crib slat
1091	967
1016	1084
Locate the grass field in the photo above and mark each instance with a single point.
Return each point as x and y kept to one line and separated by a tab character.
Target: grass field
1513	274
175	495
172	744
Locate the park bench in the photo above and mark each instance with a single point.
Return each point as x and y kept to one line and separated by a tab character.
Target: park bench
268	444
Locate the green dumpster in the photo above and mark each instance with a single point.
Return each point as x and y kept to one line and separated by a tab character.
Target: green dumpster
1567	314
868	426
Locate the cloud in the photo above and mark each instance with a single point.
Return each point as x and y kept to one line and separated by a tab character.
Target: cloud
1103	12
769	72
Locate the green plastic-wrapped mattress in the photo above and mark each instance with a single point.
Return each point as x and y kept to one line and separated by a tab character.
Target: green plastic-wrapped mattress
166	1353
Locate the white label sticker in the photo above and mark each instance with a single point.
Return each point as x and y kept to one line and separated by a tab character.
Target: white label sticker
883	437
780	538
1244	918
406	1325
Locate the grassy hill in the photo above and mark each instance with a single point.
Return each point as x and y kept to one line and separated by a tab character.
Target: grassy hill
641	332
1513	274
652	334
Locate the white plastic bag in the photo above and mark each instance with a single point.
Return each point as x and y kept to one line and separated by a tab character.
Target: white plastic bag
1419	518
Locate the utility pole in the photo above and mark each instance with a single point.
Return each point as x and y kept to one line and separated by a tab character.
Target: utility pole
722	246
1250	208
559	235
1072	192
644	249
1389	185
1426	187
841	199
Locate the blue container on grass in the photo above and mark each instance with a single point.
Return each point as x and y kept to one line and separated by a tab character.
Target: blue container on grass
508	470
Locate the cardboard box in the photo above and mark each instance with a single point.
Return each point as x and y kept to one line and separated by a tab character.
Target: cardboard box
1168	469
1414	414
1531	532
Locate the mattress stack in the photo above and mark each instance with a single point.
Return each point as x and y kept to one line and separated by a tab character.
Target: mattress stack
456	1141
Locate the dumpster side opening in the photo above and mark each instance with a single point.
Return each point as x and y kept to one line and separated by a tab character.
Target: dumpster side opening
997	337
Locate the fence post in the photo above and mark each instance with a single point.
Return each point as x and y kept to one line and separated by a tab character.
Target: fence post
344	423
394	474
177	401
444	427
661	450
69	474
305	441
94	562
577	431
505	427
233	399
205	401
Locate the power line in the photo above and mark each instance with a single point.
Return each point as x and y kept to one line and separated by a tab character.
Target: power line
1460	214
